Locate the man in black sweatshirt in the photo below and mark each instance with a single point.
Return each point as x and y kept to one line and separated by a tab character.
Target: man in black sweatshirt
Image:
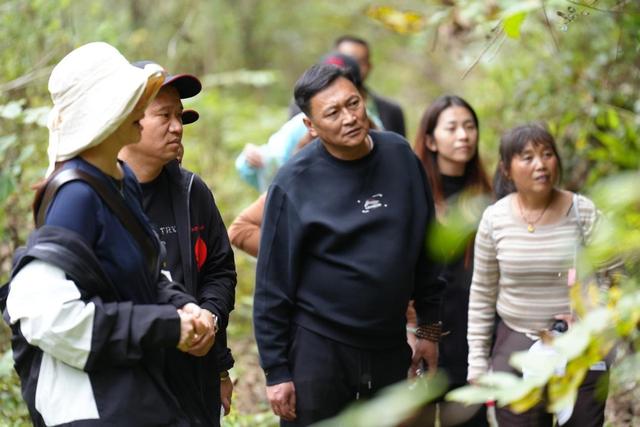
342	252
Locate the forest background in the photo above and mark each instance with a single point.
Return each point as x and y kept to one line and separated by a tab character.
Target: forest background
574	65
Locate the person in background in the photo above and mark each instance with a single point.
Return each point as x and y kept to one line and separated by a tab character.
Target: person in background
389	112
447	145
183	209
525	250
341	253
244	231
91	315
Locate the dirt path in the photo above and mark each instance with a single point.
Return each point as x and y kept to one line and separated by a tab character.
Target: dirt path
249	391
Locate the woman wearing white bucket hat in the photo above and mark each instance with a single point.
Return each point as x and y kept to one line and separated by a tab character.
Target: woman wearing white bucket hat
90	312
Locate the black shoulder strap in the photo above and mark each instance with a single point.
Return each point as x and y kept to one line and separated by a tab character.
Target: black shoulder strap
108	195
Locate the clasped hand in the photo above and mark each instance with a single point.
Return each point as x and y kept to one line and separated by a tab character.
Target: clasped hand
197	330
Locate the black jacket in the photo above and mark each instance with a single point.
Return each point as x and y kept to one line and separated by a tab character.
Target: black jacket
127	341
209	275
390	114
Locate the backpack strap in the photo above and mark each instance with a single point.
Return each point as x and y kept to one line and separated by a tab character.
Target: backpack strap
108	195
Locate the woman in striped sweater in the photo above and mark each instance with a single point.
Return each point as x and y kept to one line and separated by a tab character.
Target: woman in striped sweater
525	247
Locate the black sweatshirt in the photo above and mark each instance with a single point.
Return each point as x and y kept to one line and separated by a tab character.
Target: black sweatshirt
343	250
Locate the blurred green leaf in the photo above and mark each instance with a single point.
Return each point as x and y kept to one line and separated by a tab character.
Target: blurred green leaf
36	116
449	236
392	405
12	110
614	121
472	395
537	366
6	142
513	23
7	186
617	193
573	342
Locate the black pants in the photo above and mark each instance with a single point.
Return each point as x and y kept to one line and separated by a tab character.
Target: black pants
196	384
329	375
588	410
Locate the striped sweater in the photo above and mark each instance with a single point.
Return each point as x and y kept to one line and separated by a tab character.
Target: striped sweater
521	275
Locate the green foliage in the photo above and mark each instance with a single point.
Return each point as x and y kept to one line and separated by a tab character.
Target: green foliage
13	412
513	23
393	404
259	419
449	237
573	67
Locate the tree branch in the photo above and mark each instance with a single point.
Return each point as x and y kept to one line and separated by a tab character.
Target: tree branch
588	6
25	79
548	23
492	42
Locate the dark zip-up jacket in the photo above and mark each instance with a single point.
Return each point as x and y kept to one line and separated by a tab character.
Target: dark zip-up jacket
209	275
84	356
390	113
207	257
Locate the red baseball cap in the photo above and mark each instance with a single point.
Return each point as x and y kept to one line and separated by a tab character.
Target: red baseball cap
187	86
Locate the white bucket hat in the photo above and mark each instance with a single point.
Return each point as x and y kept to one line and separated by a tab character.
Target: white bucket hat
94	88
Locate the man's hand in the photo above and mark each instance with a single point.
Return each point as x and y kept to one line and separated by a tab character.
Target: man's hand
191	308
282	398
253	156
427	351
226	391
205	333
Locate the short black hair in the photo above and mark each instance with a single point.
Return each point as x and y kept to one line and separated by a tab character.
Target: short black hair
317	78
351	39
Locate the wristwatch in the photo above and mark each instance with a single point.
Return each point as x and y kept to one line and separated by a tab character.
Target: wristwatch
215	323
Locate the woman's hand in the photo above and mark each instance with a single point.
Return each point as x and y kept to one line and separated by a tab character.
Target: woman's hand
187	330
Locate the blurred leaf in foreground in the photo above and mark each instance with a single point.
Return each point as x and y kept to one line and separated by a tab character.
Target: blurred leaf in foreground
392	405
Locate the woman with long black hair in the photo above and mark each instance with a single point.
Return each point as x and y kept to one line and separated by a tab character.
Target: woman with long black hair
447	145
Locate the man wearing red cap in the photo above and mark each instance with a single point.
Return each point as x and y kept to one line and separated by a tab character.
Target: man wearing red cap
199	255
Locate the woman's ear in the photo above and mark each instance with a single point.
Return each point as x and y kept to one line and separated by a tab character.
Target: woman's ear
430	143
504	171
